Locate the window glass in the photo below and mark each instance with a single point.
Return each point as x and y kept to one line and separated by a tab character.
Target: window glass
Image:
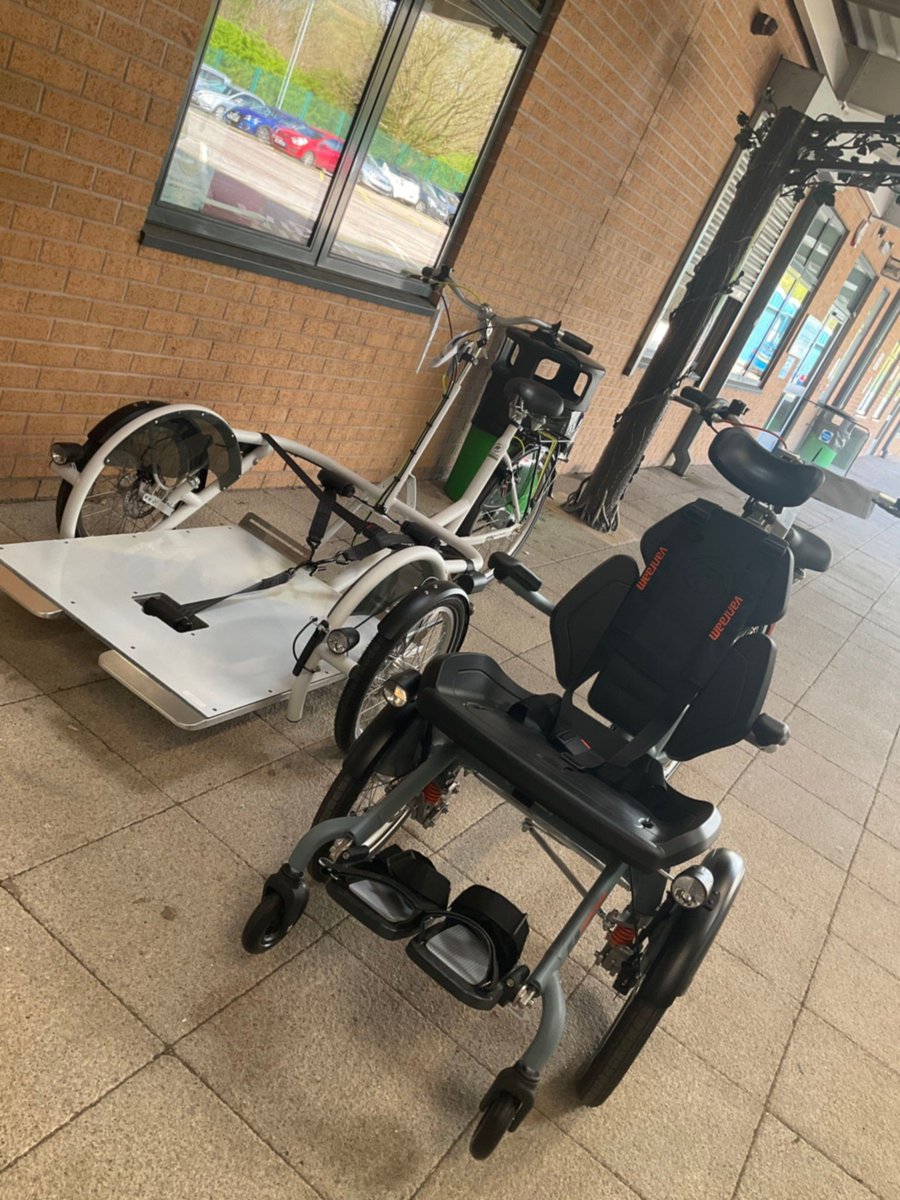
438	114
881	374
779	319
336	140
262	158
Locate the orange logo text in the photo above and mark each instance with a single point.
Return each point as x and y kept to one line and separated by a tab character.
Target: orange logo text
716	632
651	568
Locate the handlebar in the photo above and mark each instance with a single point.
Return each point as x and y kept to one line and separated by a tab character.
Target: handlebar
442	277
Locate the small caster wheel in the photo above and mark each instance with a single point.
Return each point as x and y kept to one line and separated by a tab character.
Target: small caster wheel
282	904
494	1123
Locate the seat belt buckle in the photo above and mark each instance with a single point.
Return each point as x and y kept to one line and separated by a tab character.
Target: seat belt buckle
575	750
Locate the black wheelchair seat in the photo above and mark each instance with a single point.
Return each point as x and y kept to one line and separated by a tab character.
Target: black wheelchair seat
740	459
472	700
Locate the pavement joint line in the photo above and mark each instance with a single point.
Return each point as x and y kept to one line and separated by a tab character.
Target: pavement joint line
804	1008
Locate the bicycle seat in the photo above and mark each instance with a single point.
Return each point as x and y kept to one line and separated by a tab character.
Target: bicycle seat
741	460
536	397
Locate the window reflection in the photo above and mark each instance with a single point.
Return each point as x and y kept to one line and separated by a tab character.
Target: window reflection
269	111
438	114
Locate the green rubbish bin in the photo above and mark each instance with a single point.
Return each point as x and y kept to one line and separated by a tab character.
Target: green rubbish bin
833	440
526	355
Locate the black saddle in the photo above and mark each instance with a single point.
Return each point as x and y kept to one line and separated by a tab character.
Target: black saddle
740	459
678	663
811	553
537	398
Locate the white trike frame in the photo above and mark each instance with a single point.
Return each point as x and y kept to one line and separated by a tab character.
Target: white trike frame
23	575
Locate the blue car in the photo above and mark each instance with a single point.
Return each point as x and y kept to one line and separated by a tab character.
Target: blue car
259	119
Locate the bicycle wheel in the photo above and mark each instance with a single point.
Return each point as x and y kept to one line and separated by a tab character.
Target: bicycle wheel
349	795
491	520
131	492
440	629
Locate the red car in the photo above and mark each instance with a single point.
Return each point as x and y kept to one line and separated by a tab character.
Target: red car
314	147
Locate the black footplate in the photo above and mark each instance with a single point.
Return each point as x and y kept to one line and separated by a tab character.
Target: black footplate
390	893
473	947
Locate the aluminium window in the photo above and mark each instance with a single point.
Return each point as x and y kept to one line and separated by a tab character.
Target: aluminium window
753	266
336	142
789	300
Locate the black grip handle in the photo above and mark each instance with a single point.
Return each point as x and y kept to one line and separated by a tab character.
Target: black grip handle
577	343
700	398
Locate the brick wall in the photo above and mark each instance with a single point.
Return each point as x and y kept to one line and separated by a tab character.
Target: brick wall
621	133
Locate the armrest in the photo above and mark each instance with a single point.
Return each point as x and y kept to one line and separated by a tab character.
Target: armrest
517	577
768	733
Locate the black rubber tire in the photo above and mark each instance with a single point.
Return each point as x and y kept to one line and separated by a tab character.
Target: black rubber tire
339	801
266	926
531	516
264	134
219	112
308	159
622	1043
493	1124
420	206
110	427
376	655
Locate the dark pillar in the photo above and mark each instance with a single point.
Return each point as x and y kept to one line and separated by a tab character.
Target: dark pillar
598	497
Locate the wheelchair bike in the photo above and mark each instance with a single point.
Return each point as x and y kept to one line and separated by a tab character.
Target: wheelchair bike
678	655
208	624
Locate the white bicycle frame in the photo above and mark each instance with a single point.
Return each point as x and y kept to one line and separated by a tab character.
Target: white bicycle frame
356	580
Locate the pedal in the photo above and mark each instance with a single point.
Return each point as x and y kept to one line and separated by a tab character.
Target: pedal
389	893
473	950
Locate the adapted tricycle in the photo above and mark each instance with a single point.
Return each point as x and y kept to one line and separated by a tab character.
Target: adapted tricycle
206	624
678	656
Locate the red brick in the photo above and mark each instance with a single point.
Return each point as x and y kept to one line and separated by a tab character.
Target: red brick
91	52
130	39
15	186
120	97
85	204
28	26
59	168
49	68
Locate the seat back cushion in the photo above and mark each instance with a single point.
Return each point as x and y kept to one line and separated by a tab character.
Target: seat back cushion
724	710
709	576
582	616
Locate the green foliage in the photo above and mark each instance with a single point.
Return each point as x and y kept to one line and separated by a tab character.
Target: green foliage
242	52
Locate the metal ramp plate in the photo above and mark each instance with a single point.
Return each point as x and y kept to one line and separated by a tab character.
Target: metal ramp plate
242	661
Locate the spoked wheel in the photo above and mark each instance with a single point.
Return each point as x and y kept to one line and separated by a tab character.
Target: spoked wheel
671	956
492	1125
492	519
130	495
264	134
349	796
622	1043
440	629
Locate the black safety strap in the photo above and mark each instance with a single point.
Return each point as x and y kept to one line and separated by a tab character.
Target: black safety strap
328	501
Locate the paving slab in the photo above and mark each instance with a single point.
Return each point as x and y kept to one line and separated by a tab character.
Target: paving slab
877	864
62	787
13	685
844	1102
64	1039
336	1071
162	1134
54	653
797	811
845	980
871	922
748	1050
782	1166
538	1158
884	819
780	862
155	912
673	1127
181	764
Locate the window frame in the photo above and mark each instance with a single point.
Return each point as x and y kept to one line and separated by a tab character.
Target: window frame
792	328
313	264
